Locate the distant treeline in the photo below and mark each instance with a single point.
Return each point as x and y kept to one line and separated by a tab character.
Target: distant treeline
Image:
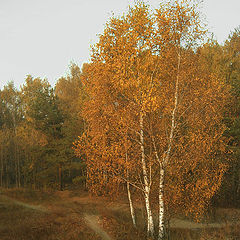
38	127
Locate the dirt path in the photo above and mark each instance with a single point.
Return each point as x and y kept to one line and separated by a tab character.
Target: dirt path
180	223
10	200
92	222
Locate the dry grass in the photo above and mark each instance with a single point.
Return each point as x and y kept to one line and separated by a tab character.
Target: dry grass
64	219
19	223
119	225
22	223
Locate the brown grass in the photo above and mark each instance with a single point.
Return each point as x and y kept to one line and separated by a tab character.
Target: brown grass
64	219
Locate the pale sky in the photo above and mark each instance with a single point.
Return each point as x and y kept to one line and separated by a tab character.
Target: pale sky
42	37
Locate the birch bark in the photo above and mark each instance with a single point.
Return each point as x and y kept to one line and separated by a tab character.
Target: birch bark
131	205
150	224
130	198
161	227
161	205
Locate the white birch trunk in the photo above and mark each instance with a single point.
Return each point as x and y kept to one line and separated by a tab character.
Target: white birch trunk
161	205
131	205
161	225
150	224
173	121
166	156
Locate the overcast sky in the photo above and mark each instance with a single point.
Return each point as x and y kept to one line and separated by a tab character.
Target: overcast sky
42	37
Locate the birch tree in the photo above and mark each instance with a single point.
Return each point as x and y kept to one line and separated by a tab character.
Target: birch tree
151	96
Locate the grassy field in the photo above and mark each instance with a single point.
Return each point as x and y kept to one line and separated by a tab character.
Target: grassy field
72	215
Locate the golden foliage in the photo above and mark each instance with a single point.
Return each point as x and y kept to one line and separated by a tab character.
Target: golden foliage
142	63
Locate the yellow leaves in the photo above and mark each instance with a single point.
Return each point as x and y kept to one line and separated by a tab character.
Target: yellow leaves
178	22
134	70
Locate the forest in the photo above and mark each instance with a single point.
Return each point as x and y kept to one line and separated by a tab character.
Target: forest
154	115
